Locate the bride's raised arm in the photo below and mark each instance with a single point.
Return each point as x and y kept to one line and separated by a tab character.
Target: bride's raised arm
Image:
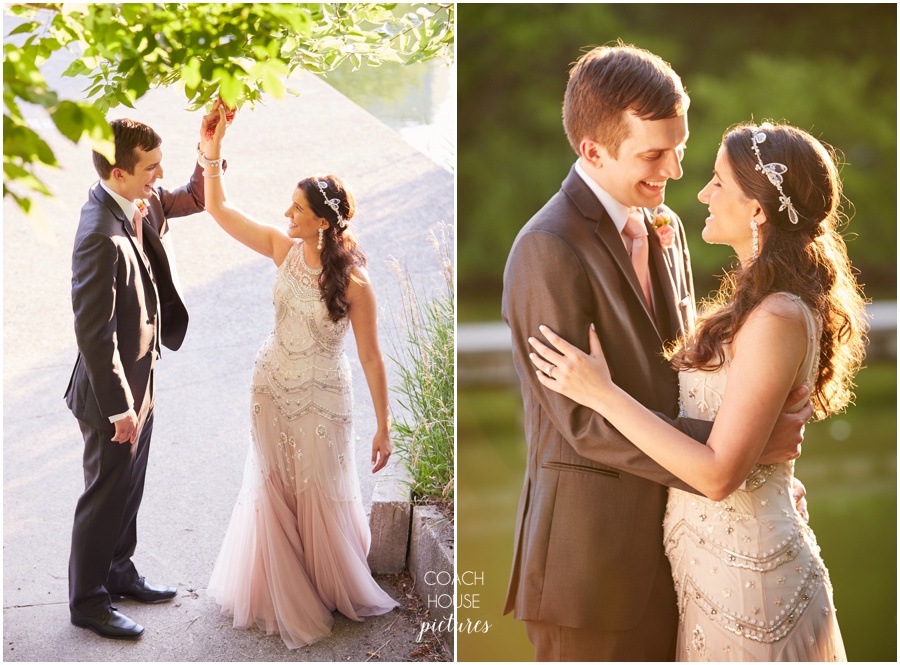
267	240
767	353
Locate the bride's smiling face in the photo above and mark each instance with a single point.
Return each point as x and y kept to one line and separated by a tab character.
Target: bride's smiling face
645	162
730	211
304	223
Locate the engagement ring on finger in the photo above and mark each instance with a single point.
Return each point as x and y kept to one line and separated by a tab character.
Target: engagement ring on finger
550	371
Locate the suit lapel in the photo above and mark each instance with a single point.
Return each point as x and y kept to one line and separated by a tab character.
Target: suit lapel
664	270
117	212
128	227
588	205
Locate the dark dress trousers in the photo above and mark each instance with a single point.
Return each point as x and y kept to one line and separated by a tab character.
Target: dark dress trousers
588	544
126	303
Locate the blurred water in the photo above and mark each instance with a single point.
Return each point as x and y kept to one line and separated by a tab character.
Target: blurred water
418	101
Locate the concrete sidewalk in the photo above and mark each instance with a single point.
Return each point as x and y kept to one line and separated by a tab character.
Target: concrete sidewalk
202	419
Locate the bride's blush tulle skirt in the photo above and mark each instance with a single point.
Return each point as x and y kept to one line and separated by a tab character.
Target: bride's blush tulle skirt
287	563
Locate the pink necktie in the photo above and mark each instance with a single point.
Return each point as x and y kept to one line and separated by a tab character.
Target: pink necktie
138	222
636	229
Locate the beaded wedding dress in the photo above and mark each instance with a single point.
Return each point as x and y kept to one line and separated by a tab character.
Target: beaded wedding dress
296	547
751	585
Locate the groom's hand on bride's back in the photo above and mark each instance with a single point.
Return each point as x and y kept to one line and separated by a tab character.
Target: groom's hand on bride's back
787	435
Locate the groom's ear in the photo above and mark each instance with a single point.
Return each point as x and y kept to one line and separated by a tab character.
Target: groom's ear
592	152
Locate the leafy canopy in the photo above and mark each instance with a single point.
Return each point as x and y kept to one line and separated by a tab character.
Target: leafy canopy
238	52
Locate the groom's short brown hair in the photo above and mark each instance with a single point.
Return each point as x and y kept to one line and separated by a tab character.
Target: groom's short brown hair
128	135
610	80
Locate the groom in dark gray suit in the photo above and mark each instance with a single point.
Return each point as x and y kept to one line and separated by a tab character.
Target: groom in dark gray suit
126	302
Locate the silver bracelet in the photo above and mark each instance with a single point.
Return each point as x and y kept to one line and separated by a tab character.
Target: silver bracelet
203	161
214	175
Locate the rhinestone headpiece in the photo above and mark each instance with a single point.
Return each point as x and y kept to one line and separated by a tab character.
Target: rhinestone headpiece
334	204
774	171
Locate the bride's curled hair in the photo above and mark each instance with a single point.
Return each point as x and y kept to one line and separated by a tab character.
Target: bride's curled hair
808	259
340	251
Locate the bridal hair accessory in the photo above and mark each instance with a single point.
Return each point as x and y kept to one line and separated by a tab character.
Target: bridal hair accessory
774	171
334	204
321	235
755	228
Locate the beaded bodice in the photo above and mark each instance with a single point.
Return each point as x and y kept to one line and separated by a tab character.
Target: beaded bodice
302	362
750	562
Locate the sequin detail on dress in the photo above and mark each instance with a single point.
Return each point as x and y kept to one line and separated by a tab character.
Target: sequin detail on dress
747	569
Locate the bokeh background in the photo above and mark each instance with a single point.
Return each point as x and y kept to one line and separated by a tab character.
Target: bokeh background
830	69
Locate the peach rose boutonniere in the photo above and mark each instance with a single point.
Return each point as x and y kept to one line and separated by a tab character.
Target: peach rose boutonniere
143	207
662	222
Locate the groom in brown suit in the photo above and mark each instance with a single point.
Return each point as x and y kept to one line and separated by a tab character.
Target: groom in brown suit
590	577
126	303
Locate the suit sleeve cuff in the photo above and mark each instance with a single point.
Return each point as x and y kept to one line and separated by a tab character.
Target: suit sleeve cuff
120	416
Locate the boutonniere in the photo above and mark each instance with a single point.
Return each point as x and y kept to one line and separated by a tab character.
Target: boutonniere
662	222
143	207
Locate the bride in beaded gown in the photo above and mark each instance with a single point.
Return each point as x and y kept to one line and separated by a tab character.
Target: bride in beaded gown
297	544
750	582
295	549
747	569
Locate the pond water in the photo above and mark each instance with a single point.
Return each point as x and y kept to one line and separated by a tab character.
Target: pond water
417	101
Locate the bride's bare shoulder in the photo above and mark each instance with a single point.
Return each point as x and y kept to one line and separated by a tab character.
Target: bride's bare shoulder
777	320
781	305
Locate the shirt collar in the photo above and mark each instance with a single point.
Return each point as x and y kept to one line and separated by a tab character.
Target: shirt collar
128	207
617	211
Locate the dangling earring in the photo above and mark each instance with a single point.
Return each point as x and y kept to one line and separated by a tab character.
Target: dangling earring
321	235
754	227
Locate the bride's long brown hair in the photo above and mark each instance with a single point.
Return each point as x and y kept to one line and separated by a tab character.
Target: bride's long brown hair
340	250
808	259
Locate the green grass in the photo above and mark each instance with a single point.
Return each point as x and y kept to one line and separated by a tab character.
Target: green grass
424	432
848	467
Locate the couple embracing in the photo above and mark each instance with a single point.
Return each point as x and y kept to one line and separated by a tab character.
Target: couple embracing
660	518
295	550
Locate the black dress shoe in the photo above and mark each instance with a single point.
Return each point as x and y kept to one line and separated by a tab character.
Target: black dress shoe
145	592
110	623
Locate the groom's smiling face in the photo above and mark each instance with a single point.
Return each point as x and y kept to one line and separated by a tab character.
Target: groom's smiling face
650	156
139	183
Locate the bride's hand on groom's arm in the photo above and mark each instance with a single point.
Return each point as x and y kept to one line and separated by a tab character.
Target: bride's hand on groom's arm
570	371
787	435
